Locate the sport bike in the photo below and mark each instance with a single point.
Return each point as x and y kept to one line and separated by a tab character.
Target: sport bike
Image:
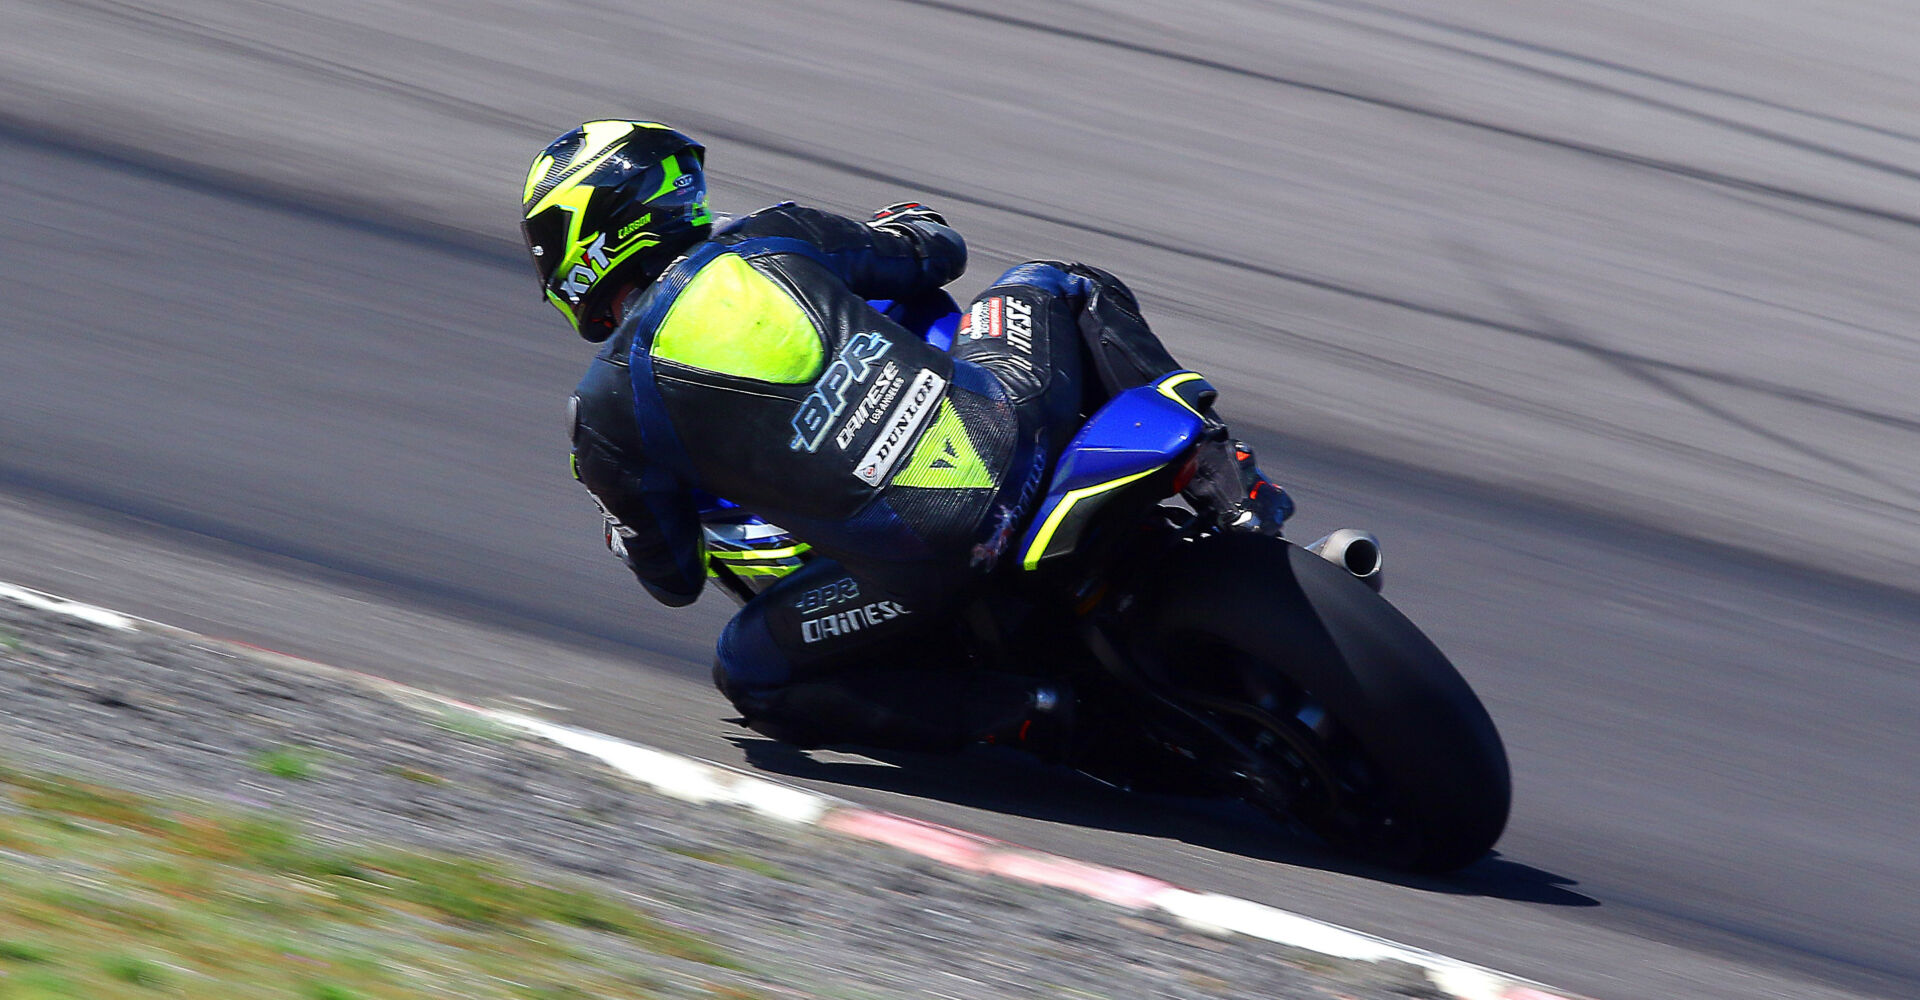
1210	662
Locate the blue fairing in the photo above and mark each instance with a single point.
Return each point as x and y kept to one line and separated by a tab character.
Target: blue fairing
933	316
940	334
1138	430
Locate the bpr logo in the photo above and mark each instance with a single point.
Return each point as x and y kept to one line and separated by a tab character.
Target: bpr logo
829	395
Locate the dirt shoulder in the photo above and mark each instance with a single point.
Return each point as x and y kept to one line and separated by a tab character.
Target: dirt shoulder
189	729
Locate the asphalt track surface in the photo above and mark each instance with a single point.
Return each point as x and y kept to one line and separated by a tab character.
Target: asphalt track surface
1603	317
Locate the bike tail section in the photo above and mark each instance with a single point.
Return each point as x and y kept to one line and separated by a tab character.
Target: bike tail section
1137	450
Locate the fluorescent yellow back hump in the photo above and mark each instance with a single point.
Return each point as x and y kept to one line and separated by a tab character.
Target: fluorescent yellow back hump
733	320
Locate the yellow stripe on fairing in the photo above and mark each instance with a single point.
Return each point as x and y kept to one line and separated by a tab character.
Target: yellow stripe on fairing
1052	524
1165	388
762	570
738	554
561	304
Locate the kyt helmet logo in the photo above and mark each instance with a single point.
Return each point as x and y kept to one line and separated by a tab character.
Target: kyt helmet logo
593	264
593	259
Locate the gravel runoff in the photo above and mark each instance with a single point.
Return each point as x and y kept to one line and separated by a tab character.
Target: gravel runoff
812	915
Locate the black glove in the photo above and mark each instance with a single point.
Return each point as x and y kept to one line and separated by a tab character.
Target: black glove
1229	487
903	212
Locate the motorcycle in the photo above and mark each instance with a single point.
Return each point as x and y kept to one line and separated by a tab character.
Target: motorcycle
1214	663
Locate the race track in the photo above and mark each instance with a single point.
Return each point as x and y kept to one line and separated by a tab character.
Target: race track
1603	318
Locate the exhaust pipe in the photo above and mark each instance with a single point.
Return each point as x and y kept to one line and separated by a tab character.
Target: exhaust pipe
1353	550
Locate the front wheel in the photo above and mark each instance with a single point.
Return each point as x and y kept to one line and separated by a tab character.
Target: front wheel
1364	733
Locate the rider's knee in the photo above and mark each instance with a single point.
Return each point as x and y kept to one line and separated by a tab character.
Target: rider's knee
746	661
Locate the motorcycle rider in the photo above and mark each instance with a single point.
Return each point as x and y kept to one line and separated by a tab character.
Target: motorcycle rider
742	359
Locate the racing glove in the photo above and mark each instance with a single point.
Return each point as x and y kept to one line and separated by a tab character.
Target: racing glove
1228	486
905	211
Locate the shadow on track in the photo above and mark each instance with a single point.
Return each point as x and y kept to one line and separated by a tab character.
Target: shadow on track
1007	782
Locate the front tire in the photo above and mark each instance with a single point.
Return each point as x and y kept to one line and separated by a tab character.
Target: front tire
1384	750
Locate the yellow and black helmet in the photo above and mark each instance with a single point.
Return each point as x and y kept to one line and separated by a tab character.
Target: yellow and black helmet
607	205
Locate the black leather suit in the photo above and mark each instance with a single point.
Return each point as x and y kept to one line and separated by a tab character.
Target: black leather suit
907	469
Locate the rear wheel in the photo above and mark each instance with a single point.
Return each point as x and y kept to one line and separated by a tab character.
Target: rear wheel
1364	732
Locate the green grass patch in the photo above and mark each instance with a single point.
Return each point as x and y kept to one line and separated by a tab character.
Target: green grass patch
110	895
24	952
38	984
134	970
287	763
10	641
82	800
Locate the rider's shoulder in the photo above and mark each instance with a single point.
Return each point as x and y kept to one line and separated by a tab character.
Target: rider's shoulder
784	218
731	224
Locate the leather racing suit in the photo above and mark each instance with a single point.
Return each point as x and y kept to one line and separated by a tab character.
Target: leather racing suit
754	369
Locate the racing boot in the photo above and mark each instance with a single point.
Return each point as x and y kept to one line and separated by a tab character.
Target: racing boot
1231	489
1047	728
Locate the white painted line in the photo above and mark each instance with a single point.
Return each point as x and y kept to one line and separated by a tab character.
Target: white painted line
1223	914
72	609
1470	982
681	777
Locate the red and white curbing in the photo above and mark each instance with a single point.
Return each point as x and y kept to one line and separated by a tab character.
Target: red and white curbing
703	782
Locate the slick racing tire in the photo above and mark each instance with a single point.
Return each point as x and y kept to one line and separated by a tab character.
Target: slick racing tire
1376	742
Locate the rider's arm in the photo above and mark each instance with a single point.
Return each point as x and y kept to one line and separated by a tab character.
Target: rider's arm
653	522
894	259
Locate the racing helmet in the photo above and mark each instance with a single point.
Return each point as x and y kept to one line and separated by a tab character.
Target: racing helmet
608	205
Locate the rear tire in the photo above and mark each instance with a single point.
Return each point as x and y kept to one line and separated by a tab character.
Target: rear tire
1387	753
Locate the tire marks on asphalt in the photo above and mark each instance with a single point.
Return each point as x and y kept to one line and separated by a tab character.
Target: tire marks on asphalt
1666	166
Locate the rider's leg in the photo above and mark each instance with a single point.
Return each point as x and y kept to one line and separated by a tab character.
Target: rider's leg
830	656
1074	302
1024	331
1118	351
